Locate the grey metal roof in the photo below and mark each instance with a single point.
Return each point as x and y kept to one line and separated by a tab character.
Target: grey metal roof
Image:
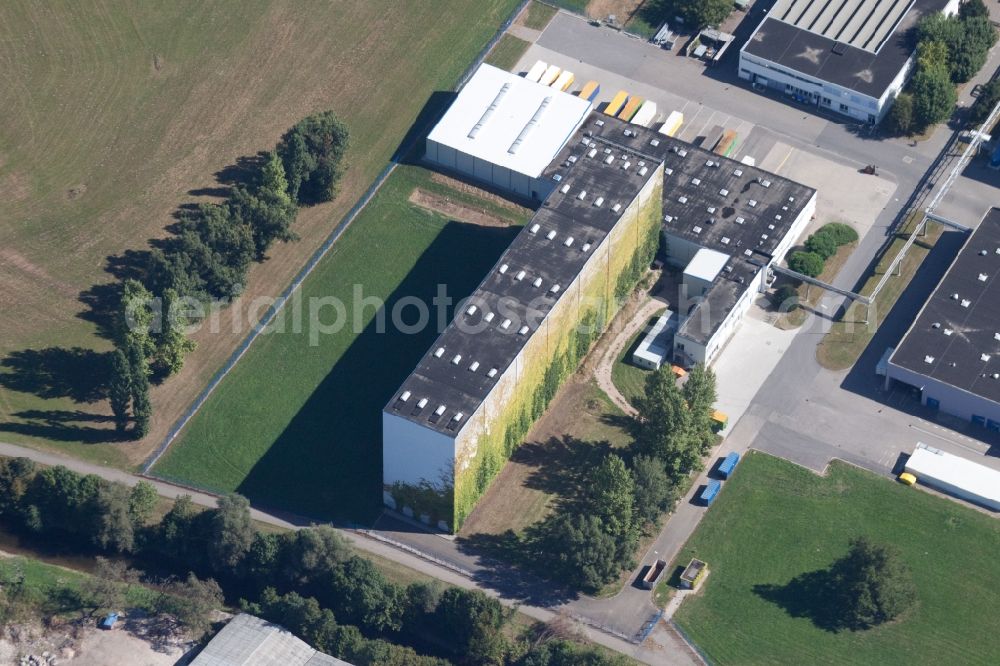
247	640
866	65
454	376
864	24
956	337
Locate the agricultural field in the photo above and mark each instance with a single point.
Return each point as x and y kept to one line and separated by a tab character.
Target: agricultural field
775	522
117	113
297	426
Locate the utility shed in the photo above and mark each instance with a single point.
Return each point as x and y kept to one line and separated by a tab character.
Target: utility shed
250	641
504	130
957	476
656	346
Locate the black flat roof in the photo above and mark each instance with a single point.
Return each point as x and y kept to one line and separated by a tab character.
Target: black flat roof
720	204
865	72
456	371
956	337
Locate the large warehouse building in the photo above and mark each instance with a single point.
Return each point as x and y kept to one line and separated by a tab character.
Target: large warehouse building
848	56
952	351
453	423
504	130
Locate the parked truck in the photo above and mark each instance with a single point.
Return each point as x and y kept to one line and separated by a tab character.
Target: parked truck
536	71
590	91
550	75
616	103
727	144
645	115
630	109
672	124
564	81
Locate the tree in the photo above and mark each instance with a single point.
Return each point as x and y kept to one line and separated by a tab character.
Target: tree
365	597
314	555
978	38
142	407
312	152
190	601
120	389
475	622
899	121
654	493
172	345
664	428
786	298
700	394
932	54
698	14
822	245
269	216
105	590
115	529
871	585
577	549
989	95
15	477
842	234
612	499
934	98
133	318
141	502
231	532
973	9
273	180
807	263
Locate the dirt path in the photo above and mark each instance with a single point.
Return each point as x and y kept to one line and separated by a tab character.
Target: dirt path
603	373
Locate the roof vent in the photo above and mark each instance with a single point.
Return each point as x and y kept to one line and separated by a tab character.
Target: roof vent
954	296
984	358
551	234
753	203
771	227
488	317
763	236
765	183
998	250
696	181
683	199
724	192
557	177
710	163
565	188
404	396
505	324
456	359
474	366
598	201
738	173
748	253
966	302
936	324
711	210
458	417
503	268
778	216
928	359
697	230
572	159
682	152
668	171
983	253
520	276
725	240
568	241
740	219
996	375
554	289
654	142
440	410
592	152
668	218
582	195
983	277
609	159
996	336
523	330
420	404
643	171
627	133
439	352
492	372
586	246
537	282
948	332
534	228
617	207
625	165
599	123
471	310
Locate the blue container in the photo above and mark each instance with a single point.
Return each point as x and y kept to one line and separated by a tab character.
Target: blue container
109	621
710	492
728	465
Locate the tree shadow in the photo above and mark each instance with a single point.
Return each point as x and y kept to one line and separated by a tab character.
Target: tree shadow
56	372
809	595
245	171
562	466
59	425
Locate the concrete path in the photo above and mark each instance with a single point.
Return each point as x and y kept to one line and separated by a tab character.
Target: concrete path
605	367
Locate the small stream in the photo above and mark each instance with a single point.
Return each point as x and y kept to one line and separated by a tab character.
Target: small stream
27	547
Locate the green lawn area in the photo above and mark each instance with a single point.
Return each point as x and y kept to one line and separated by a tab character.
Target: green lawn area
630	379
775	521
298	426
116	113
507	52
537	16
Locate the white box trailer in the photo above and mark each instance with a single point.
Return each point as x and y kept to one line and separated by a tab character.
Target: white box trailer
957	476
550	75
672	124
645	115
536	71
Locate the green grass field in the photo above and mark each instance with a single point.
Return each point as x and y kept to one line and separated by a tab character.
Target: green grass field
630	379
507	52
116	113
775	521
297	426
537	16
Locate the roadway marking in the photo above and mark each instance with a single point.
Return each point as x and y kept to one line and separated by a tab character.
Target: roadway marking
951	441
790	151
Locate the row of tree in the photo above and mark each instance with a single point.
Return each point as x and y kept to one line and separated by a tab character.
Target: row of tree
820	246
950	50
342	603
208	256
593	536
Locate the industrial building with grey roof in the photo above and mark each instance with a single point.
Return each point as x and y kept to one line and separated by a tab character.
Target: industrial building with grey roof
951	353
847	56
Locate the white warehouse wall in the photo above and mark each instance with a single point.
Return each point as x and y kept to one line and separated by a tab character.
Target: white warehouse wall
412	453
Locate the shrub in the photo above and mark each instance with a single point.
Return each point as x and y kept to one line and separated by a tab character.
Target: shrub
899	121
786	298
840	233
807	263
821	244
934	98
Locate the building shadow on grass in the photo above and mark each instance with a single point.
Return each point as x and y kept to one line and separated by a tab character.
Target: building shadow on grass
808	595
327	464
